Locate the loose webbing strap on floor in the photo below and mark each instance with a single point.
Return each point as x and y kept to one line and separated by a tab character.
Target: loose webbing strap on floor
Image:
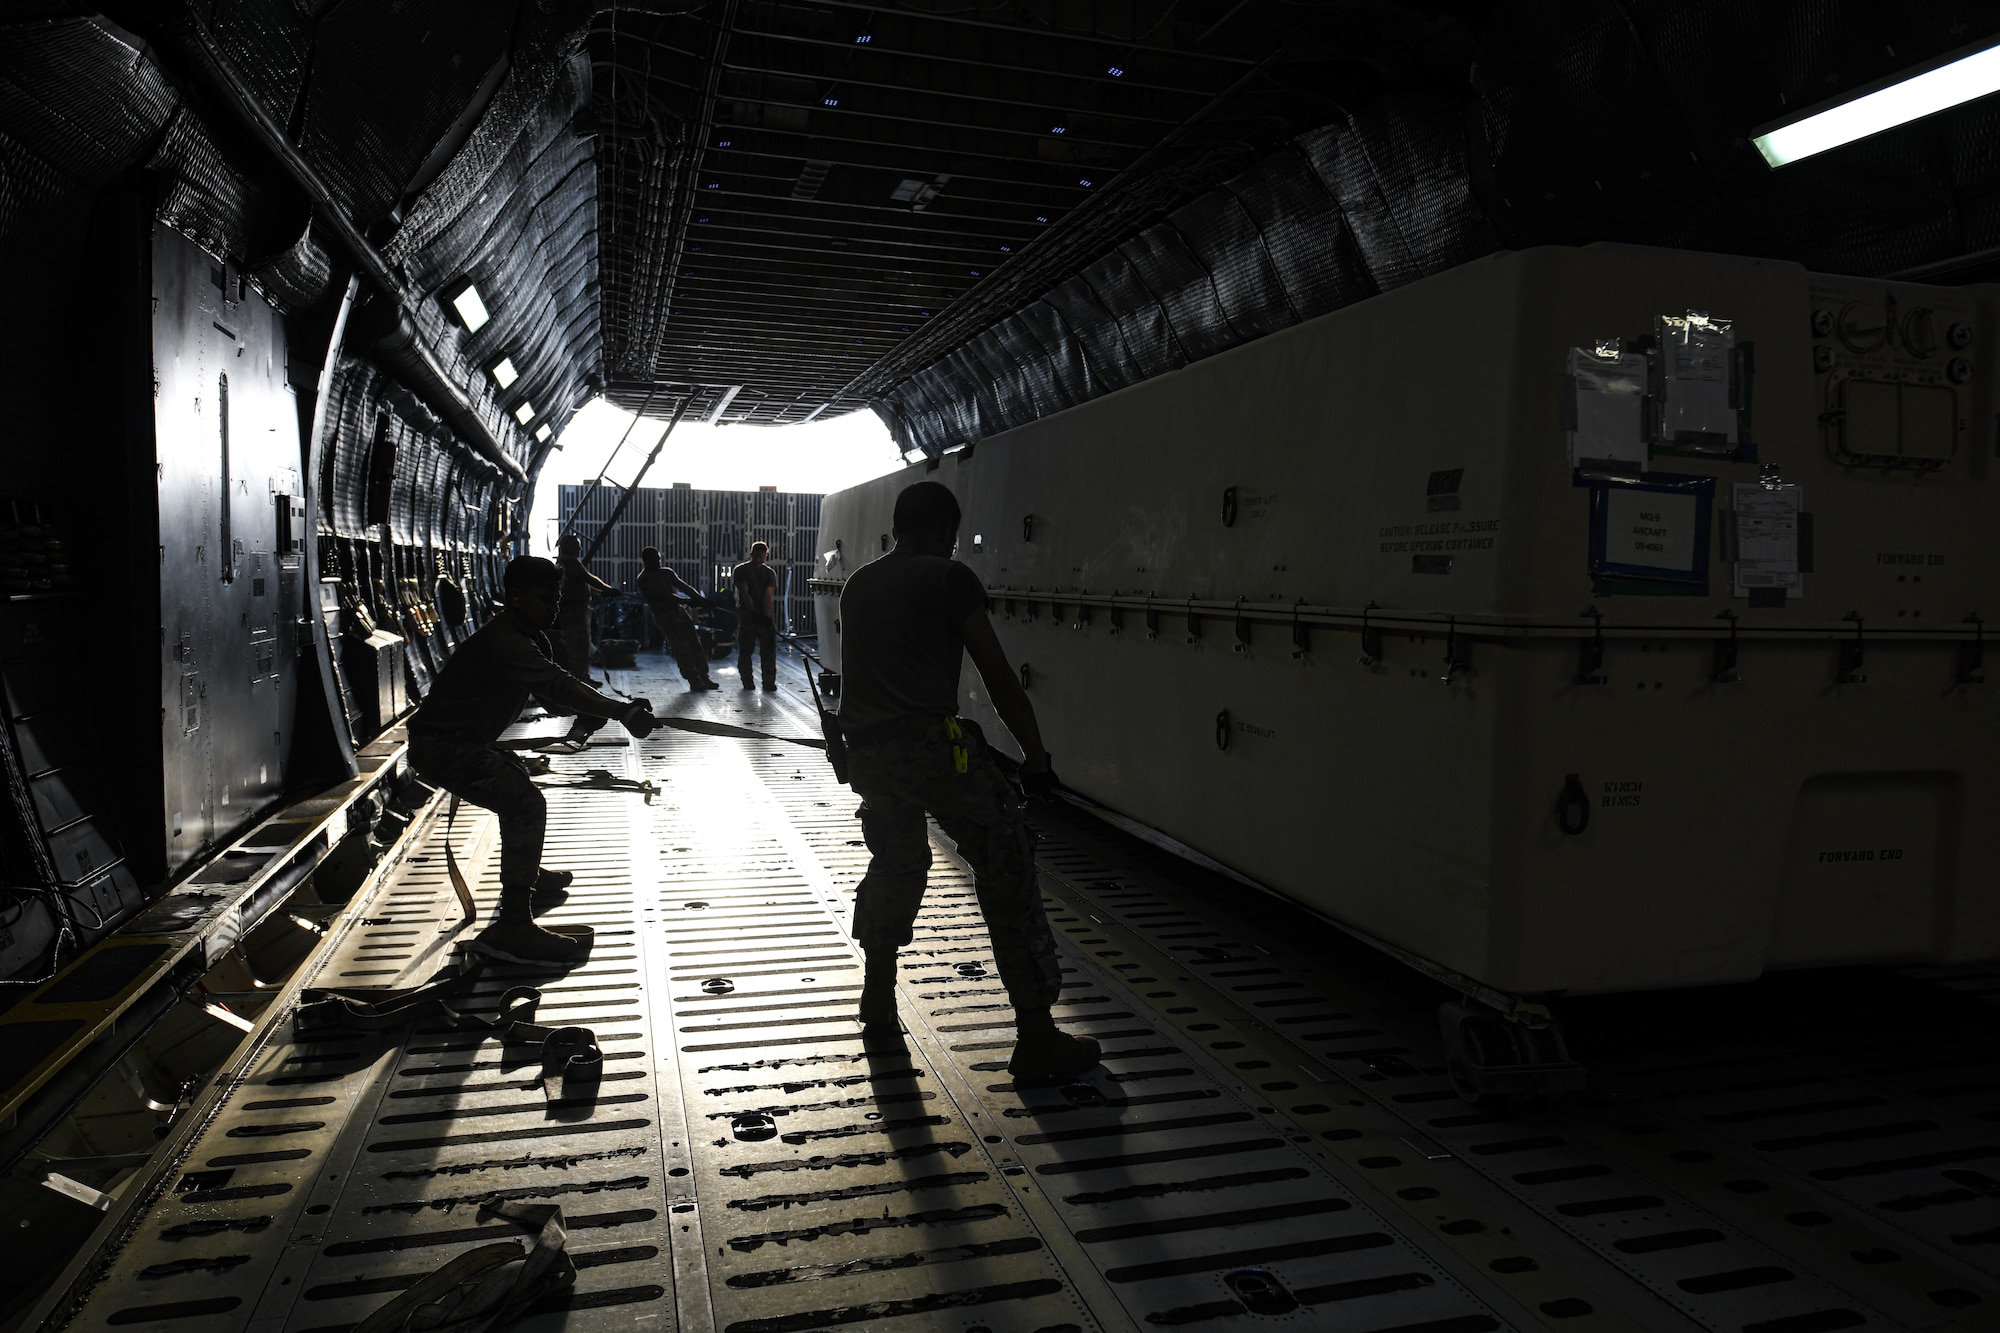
458	884
381	1008
603	779
572	1064
517	1011
488	1287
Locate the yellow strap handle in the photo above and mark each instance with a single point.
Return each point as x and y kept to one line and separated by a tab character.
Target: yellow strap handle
961	758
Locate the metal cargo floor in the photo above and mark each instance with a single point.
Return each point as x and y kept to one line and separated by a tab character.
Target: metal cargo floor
1269	1140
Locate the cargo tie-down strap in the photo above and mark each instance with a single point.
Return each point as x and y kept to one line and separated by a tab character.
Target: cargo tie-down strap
702	727
603	779
488	1287
571	1063
696	725
458	884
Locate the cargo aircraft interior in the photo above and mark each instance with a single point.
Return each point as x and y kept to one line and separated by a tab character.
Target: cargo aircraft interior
1462	531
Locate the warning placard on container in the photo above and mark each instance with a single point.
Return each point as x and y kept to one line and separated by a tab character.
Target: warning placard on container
1767	537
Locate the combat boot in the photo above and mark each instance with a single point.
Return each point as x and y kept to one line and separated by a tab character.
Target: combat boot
878	993
1044	1053
551	890
525	942
515	938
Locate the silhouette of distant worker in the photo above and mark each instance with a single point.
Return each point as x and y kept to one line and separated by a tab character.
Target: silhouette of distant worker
478	695
907	621
658	584
756	617
573	625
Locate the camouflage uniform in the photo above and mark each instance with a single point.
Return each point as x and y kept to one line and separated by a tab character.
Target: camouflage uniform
573	642
755	632
496	780
573	635
682	641
676	625
478	695
904	769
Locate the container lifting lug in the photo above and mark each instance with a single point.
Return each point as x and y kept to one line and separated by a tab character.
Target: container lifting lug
1152	620
1573	806
1371	638
1972	653
1852	655
1229	507
1027	676
1590	653
1301	632
1194	622
1082	614
1222	730
1242	628
1725	653
1027	527
1115	614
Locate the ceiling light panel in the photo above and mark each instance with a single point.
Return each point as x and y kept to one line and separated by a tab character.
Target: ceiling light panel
471	309
1910	97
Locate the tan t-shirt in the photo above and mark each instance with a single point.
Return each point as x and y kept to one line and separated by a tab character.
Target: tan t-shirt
900	648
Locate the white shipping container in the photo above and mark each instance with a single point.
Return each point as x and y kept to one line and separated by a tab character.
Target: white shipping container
1582	620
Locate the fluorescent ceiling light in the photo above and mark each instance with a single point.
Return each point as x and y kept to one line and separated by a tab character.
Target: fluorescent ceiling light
525	412
504	373
1909	97
543	431
471	310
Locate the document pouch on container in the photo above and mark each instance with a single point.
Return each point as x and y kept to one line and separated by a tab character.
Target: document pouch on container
1768	526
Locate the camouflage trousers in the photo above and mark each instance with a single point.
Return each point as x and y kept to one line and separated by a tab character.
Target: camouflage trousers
496	780
913	771
573	642
757	633
677	627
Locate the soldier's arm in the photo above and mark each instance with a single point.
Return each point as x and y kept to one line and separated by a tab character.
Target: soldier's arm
526	667
1004	688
